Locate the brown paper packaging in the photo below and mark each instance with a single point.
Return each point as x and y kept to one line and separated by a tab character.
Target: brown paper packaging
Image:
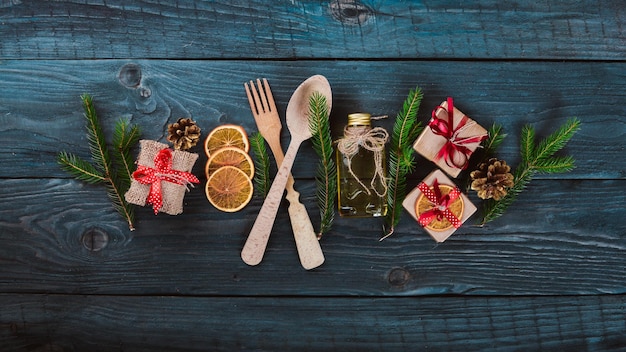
411	199
428	143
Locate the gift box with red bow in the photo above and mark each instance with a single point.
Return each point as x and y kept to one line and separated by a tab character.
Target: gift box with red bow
162	177
438	206
450	138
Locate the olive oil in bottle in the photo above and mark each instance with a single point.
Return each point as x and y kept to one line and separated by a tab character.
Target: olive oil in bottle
361	171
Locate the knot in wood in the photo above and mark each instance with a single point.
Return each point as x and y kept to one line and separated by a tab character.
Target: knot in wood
350	12
398	277
145	92
130	75
95	239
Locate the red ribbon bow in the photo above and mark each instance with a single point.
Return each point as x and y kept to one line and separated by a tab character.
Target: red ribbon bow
440	204
162	171
454	144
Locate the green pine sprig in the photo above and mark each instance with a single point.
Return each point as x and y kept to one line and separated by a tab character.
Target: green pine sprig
102	169
125	137
80	168
261	165
401	157
493	141
536	158
326	177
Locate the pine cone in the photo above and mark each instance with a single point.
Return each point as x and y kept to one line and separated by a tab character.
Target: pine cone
184	134
492	179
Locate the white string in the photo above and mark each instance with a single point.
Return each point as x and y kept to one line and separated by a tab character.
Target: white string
372	139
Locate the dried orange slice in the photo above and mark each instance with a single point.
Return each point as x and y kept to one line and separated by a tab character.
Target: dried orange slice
456	207
226	136
229	189
230	156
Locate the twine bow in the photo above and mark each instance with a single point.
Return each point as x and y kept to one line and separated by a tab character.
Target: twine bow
455	146
372	139
440	204
162	171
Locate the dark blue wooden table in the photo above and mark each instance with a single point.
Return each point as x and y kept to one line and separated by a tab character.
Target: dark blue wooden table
548	275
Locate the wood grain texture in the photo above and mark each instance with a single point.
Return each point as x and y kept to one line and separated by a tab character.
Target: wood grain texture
41	113
548	275
555	240
222	29
57	323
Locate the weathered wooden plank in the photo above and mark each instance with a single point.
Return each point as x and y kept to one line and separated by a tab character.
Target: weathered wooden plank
41	114
548	275
59	236
80	323
485	29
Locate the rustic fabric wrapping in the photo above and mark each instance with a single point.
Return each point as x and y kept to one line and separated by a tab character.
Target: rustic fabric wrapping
461	207
449	144
173	193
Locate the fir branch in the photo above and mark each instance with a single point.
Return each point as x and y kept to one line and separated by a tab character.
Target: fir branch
261	164
124	137
535	159
116	194
97	142
326	177
401	160
101	155
557	140
527	141
496	137
103	170
80	168
554	165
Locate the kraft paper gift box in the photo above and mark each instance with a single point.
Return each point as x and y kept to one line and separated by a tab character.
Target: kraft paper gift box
162	177
450	138
440	212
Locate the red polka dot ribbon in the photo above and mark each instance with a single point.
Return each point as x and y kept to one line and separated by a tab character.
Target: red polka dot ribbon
162	171
440	204
455	147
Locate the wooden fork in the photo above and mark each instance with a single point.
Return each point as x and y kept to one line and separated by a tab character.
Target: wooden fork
268	122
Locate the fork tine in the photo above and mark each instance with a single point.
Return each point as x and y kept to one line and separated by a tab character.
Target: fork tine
263	95
270	98
252	101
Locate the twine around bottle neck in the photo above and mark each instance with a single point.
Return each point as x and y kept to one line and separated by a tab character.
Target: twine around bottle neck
371	139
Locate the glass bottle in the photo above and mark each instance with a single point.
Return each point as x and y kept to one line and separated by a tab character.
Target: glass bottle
361	182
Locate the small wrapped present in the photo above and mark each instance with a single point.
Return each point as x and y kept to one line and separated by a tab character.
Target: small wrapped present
450	138
438	206
162	177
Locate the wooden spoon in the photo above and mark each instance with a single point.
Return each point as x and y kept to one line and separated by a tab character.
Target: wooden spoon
298	124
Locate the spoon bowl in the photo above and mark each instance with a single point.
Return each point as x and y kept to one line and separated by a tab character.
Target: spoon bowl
298	108
298	124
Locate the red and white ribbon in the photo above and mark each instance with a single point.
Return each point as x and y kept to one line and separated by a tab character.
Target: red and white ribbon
440	204
162	171
455	151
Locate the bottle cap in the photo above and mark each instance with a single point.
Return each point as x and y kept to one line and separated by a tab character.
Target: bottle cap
359	118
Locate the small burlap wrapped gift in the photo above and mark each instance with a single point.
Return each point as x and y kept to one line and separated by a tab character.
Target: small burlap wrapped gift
162	177
450	138
438	206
